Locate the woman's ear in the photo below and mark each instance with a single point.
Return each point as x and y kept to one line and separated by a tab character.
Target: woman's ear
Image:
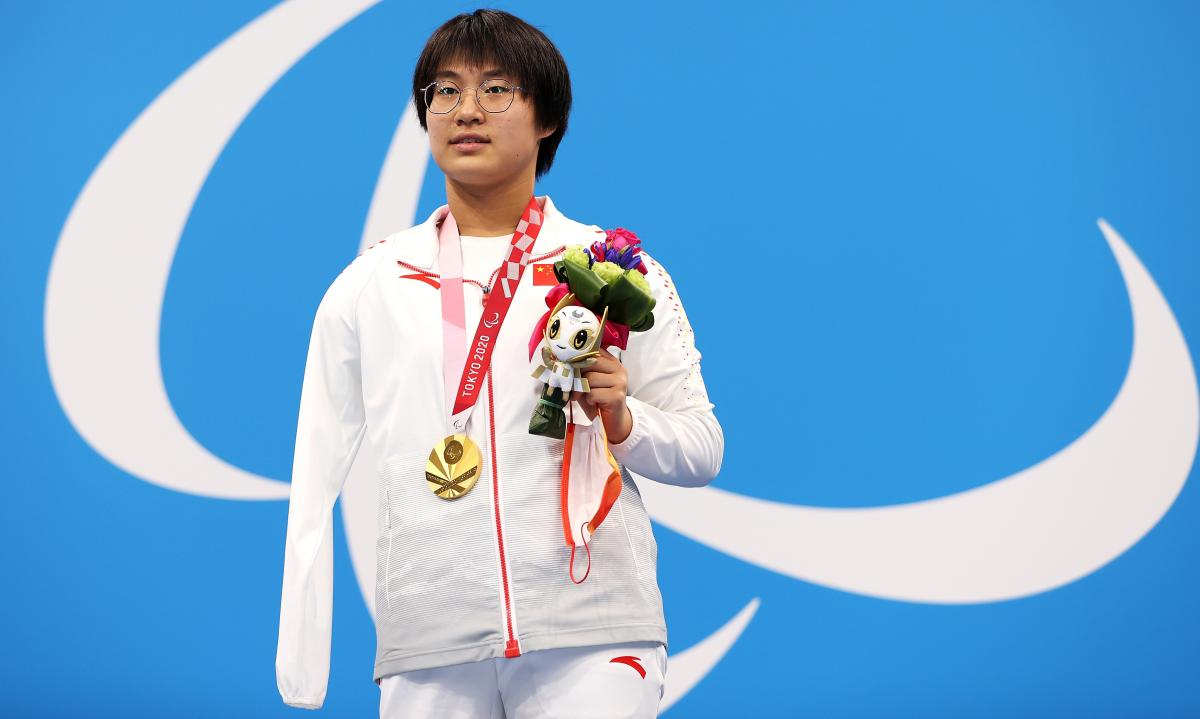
547	133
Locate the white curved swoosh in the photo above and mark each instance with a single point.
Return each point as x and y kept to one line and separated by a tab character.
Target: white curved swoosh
687	668
1036	530
107	279
398	188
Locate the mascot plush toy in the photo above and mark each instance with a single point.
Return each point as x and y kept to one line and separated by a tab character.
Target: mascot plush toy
572	340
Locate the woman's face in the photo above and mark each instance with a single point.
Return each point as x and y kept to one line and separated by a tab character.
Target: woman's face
506	143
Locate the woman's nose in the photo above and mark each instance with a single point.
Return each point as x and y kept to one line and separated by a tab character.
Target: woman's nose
474	108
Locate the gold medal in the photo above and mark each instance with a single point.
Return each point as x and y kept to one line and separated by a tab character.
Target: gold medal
453	467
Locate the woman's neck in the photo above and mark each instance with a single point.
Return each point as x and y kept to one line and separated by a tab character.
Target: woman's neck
487	213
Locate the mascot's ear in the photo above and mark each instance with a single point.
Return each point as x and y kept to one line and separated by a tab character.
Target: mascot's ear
600	330
566	300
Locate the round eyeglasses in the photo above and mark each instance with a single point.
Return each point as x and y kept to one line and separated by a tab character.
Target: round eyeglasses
442	96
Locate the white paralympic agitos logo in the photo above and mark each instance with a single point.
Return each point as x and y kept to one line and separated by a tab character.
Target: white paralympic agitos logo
1038	529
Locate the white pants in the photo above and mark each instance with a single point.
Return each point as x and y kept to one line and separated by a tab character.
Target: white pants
607	681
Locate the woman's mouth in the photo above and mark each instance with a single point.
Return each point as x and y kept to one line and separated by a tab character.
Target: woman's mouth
469	143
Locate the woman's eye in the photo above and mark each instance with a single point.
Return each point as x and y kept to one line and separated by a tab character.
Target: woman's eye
447	90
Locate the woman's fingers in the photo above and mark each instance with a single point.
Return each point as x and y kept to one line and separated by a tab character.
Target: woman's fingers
603	379
606	397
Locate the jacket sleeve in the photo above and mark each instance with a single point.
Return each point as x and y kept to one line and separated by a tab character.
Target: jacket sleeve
676	438
330	428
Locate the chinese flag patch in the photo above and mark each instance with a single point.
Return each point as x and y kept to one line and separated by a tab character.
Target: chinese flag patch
543	275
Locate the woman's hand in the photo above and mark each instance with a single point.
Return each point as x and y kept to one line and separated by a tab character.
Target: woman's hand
609	387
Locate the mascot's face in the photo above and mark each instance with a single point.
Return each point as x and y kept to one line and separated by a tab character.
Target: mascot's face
572	331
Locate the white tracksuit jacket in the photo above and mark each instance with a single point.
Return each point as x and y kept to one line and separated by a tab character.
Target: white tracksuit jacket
466	580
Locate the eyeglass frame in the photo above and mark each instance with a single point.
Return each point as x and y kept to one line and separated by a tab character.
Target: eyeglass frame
463	91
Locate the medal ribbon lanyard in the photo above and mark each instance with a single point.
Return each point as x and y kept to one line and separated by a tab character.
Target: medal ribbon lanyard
470	363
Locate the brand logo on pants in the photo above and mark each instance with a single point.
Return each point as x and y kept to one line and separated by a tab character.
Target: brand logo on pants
630	661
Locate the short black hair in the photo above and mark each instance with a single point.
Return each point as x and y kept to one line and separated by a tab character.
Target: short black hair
505	41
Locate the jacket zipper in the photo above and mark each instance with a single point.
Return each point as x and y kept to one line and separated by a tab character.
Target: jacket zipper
512	646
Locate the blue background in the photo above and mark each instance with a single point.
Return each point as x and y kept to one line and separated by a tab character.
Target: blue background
926	178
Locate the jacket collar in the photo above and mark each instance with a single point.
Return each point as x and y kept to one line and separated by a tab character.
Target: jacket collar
419	245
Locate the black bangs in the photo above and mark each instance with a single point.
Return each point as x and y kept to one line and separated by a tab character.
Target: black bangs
494	39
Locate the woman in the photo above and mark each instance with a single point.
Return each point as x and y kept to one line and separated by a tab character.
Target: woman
422	345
